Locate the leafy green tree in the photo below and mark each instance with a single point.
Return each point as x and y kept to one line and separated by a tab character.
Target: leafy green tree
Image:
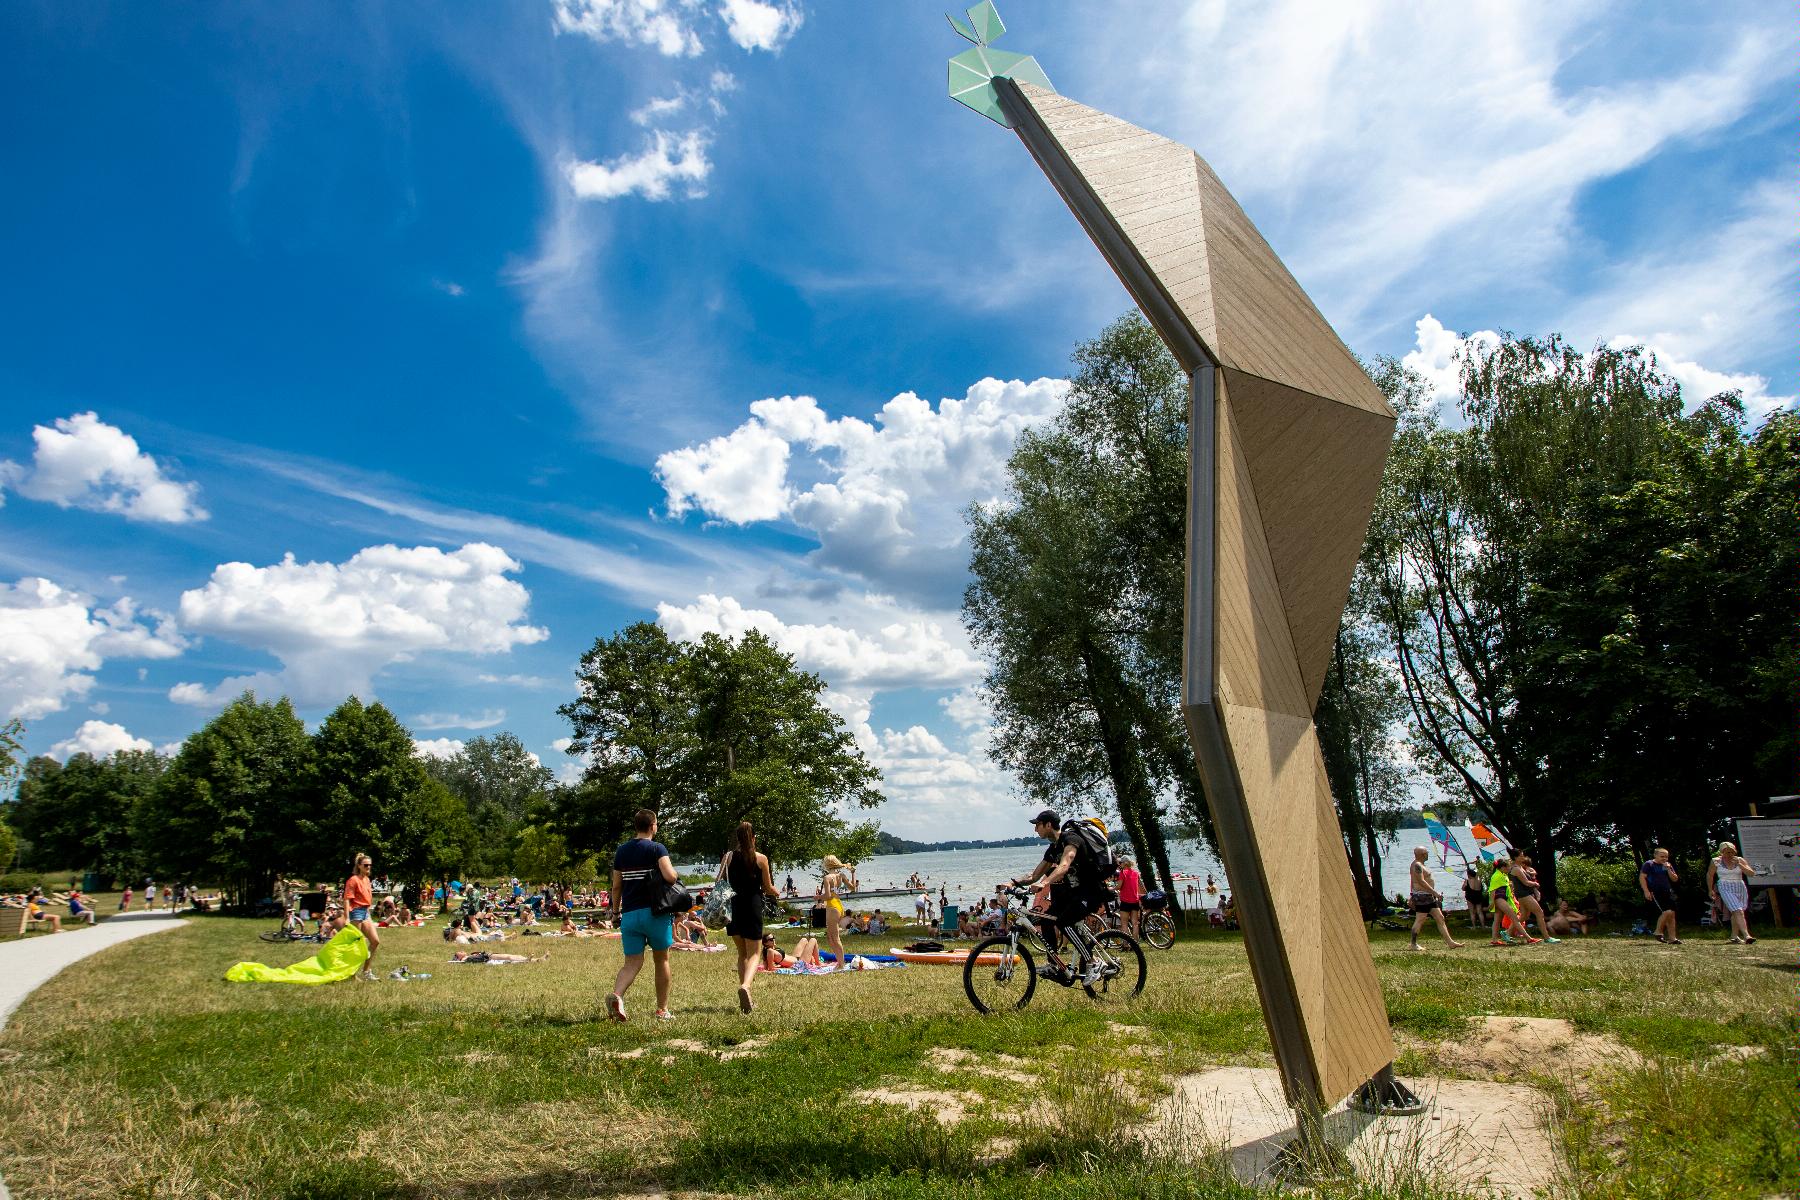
12	744
708	735
370	788
79	813
542	856
9	847
229	807
1361	712
1077	594
501	782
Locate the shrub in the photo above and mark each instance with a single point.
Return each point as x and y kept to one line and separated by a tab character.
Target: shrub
1581	881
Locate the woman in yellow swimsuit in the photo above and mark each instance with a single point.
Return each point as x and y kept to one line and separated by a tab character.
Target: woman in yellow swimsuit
838	879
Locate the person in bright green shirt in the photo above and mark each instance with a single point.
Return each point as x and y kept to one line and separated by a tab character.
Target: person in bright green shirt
1501	900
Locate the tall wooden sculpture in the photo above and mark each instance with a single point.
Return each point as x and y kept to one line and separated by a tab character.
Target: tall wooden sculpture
1288	437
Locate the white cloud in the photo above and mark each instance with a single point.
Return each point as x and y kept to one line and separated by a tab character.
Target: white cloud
1398	153
51	640
439	748
99	708
968	706
652	111
524	681
670	159
449	287
1438	355
911	650
170	749
756	25
432	722
334	626
85	463
666	25
886	498
101	739
561	745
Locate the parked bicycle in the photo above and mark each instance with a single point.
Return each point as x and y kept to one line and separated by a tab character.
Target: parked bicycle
1002	972
1155	926
292	929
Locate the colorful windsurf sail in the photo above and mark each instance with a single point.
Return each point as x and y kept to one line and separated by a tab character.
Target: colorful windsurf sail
1446	841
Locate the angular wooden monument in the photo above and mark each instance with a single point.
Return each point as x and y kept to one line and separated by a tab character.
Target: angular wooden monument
1288	437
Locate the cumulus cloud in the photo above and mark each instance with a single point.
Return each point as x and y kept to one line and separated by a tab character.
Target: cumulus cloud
524	681
85	463
665	25
333	626
756	25
438	748
101	739
667	162
432	722
52	640
969	706
911	650
884	498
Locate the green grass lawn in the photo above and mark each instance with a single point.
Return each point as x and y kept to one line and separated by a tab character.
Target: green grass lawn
141	1073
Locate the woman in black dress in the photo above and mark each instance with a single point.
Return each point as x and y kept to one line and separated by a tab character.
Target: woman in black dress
747	872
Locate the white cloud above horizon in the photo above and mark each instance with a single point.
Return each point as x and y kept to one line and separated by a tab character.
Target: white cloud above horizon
668	161
886	498
434	721
335	626
100	739
438	748
758	25
52	640
82	462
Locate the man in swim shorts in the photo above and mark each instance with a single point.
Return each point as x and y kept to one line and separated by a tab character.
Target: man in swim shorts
640	868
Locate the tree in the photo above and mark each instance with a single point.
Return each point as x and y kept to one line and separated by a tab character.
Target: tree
79	813
1582	589
707	735
1077	594
370	790
230	805
9	847
12	744
500	782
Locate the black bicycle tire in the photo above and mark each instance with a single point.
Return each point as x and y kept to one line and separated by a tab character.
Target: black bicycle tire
1159	921
279	935
1001	945
1127	948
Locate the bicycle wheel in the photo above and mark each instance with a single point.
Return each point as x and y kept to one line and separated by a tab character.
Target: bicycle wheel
276	935
998	986
1159	930
1122	968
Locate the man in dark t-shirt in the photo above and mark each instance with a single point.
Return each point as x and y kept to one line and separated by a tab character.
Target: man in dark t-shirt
1658	879
640	868
1070	898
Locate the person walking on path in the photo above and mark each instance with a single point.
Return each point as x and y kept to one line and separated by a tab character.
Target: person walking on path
747	871
1658	879
1505	906
1427	901
125	899
359	904
1728	880
1131	896
838	880
640	869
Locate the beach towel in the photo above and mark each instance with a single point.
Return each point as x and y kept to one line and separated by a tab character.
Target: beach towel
337	960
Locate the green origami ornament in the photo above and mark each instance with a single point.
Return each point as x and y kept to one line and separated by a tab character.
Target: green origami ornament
972	73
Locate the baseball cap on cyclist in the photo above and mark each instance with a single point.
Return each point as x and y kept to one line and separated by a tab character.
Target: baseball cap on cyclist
1050	815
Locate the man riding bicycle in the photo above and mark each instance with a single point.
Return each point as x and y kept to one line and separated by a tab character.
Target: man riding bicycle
1074	891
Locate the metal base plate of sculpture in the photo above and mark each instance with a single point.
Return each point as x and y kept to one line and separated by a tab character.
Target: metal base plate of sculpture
1288	437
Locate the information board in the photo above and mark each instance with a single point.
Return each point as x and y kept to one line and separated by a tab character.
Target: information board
1772	844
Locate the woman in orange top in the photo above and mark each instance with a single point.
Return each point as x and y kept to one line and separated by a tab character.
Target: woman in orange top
359	899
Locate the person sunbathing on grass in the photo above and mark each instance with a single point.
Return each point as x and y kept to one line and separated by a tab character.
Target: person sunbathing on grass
493	956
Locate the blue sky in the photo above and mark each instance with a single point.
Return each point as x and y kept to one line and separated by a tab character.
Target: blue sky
405	349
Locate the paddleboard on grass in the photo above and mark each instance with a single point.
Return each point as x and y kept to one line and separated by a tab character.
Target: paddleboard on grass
949	958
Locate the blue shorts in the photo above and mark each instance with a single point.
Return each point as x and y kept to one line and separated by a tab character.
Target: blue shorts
359	914
640	927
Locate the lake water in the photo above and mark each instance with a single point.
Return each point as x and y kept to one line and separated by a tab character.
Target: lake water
970	875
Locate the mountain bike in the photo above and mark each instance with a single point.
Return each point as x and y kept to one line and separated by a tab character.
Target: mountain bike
1002	973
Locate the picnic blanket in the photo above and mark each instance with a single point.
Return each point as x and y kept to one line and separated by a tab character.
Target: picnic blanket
336	960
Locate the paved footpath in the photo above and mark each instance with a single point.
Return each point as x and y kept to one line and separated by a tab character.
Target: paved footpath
28	963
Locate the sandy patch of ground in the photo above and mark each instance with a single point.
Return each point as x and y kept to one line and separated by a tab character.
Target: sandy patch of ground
948	1107
748	1048
1731	1054
1535	1045
949	1060
1469	1129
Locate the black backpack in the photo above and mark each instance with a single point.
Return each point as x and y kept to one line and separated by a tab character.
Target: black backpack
1094	862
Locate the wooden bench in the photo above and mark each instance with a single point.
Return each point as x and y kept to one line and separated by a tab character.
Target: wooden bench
12	921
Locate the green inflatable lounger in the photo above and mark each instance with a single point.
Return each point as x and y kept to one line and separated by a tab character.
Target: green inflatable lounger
336	961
